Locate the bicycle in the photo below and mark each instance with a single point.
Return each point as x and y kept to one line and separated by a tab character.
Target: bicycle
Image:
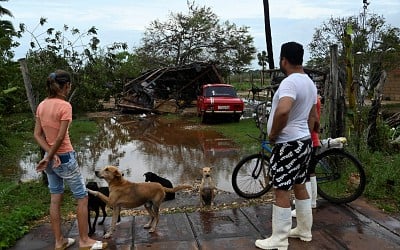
340	175
250	177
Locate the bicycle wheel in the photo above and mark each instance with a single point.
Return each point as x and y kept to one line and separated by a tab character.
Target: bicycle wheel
250	177
340	176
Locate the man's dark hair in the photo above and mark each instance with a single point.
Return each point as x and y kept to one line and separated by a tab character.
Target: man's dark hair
293	52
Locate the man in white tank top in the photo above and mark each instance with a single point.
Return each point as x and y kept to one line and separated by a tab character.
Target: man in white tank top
293	109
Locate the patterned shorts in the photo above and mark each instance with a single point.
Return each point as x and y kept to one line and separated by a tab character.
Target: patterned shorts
288	163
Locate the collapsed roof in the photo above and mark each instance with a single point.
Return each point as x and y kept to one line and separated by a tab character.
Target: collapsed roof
167	89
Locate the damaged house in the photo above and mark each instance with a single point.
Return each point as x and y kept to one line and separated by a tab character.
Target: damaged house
167	89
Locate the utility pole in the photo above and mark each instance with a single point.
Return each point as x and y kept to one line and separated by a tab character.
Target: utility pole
365	6
268	35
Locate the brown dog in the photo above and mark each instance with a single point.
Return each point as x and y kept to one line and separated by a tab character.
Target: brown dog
207	188
126	194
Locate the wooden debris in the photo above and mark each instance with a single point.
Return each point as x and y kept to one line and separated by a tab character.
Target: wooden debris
167	89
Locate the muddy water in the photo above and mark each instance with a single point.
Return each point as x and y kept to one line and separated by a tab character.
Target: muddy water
173	149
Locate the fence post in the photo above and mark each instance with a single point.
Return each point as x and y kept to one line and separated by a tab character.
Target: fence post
333	90
28	85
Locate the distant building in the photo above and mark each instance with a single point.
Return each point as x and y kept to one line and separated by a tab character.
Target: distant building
391	89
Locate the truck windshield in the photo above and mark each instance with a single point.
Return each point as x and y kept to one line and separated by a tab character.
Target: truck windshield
220	91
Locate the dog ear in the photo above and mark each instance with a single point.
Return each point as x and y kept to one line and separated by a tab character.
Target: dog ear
117	174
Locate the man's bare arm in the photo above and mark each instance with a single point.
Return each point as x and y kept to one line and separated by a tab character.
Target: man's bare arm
281	117
313	123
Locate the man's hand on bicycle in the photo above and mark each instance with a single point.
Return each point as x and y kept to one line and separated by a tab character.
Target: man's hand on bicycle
271	140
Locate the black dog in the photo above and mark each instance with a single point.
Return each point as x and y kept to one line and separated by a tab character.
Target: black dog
152	177
95	203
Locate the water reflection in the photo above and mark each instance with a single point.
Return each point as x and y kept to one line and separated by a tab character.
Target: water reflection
175	150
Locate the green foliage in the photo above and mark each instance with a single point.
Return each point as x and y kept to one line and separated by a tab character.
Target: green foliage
18	209
15	131
7	33
9	101
383	175
245	86
370	51
196	36
374	42
12	90
98	73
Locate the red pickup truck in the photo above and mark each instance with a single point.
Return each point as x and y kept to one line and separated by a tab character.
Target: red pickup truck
219	100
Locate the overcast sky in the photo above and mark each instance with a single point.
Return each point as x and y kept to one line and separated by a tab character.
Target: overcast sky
126	20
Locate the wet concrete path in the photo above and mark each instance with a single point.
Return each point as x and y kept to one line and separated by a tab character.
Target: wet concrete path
354	226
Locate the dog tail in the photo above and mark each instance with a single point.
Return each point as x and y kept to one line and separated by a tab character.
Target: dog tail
177	188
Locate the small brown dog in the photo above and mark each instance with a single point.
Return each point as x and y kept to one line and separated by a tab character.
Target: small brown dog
207	188
126	194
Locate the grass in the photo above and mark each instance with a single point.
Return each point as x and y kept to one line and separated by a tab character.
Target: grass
19	210
239	132
383	179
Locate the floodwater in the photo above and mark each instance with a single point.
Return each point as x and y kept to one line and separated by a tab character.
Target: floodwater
173	149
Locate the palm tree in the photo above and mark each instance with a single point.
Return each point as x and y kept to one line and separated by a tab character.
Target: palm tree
7	31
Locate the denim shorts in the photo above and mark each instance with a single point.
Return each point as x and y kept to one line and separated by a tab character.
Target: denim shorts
69	173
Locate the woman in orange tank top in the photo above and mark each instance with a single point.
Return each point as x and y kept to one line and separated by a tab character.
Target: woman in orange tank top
53	117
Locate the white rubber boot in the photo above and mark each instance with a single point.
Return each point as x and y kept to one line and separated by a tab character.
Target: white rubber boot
304	221
281	224
313	195
309	191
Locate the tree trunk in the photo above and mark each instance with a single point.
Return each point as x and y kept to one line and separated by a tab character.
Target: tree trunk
373	114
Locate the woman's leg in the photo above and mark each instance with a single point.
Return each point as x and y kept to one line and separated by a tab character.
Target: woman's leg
55	217
83	227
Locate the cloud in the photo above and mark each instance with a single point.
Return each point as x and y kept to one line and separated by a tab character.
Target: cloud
126	20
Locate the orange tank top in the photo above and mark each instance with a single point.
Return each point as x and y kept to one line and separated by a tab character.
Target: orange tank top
51	111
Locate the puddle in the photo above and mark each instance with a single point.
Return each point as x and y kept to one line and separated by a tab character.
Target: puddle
176	150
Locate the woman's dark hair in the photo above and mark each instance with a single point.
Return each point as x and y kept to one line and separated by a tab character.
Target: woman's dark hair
293	52
56	81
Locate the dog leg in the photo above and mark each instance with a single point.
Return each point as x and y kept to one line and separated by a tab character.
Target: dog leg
91	231
116	212
103	209
96	211
100	195
148	206
154	223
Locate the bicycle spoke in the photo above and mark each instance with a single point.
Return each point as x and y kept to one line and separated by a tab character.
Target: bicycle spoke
249	178
340	176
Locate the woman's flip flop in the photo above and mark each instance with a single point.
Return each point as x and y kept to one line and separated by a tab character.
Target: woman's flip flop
66	244
96	246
